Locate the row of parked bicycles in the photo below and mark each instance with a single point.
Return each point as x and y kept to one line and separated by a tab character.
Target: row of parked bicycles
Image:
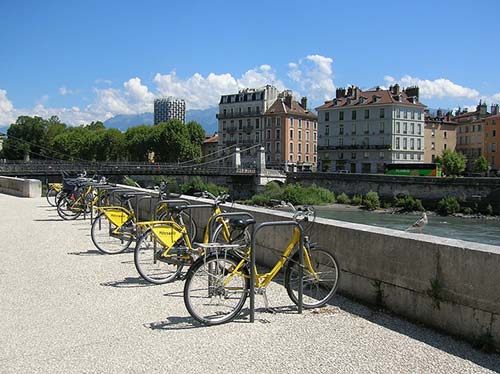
221	269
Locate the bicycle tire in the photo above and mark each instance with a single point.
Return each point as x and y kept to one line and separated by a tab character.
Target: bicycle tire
153	271
316	293
64	212
204	289
51	196
100	233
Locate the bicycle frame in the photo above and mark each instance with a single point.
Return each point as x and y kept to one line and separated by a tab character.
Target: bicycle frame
263	280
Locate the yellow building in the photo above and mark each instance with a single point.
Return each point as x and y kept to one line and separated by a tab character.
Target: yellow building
439	135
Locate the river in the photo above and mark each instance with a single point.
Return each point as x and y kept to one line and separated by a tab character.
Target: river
470	229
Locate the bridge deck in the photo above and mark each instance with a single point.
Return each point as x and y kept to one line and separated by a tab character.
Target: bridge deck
67	308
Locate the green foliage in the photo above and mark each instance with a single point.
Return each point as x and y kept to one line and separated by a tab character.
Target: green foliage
196	184
409	204
343	198
453	162
357	200
371	200
480	165
436	292
295	194
467	211
129	181
448	205
39	138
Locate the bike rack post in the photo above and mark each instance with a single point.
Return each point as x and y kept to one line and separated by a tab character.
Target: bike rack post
213	221
252	262
139	199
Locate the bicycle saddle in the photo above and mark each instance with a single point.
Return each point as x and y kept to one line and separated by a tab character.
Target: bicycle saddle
178	208
241	222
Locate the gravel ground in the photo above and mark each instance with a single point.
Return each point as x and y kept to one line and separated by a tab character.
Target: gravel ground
64	308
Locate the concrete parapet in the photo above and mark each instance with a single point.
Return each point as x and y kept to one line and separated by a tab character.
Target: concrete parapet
448	284
20	187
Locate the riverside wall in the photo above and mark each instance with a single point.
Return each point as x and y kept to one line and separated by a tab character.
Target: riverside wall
449	284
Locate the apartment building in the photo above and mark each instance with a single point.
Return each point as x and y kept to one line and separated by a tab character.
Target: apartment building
470	132
209	148
439	135
492	138
240	118
168	108
290	134
361	131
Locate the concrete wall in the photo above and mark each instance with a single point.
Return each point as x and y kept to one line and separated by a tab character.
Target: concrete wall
448	284
424	188
20	187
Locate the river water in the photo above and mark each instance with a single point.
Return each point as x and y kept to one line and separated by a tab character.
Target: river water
470	229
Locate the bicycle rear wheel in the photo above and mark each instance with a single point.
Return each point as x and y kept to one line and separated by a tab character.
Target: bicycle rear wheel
104	239
319	283
149	262
213	293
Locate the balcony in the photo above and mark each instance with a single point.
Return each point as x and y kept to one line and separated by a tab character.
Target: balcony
231	129
237	115
248	128
349	147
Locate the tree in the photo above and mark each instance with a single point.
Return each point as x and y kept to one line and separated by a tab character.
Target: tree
480	165
453	162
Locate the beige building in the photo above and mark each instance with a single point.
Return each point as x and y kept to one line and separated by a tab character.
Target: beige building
263	117
439	134
209	148
290	134
470	133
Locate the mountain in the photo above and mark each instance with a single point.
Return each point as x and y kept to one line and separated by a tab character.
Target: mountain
205	117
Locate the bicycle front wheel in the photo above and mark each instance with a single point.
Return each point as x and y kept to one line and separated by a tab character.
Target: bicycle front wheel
150	263
67	209
51	196
213	292
105	240
320	278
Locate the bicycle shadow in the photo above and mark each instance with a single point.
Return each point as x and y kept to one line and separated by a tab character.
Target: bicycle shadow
187	323
128	282
90	252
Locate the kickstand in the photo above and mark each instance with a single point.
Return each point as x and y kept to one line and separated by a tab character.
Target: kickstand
267	308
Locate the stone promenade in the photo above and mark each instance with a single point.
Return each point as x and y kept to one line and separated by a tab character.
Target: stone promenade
66	308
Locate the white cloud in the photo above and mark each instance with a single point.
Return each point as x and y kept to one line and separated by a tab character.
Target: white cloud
6	109
201	92
314	76
438	88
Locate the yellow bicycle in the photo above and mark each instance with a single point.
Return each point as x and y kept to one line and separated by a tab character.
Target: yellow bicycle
217	285
164	248
52	190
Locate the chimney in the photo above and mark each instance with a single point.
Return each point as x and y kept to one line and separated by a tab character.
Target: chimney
412	91
349	91
340	93
288	100
303	103
439	113
494	109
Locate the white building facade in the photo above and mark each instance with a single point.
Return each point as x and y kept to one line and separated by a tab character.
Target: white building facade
362	131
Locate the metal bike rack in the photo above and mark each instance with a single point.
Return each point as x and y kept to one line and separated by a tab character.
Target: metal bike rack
213	221
138	200
252	262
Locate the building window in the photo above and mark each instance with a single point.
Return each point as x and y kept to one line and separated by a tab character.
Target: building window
278	121
307	124
412	143
433	133
291	122
277	134
398	113
412	128
341	115
299	148
445	146
397	143
365	155
404	143
300	123
223	125
341	130
291	158
405	113
353	155
419	144
405	128
398	128
419	127
291	133
249	110
494	133
307	147
353	115
240	124
412	114
367	113
382	113
327	130
300	134
257	123
353	129
307	135
277	147
381	155
314	136
381	127
433	146
327	116
291	147
268	134
257	136
412	156
268	146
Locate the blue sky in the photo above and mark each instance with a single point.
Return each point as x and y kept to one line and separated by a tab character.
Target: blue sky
91	60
